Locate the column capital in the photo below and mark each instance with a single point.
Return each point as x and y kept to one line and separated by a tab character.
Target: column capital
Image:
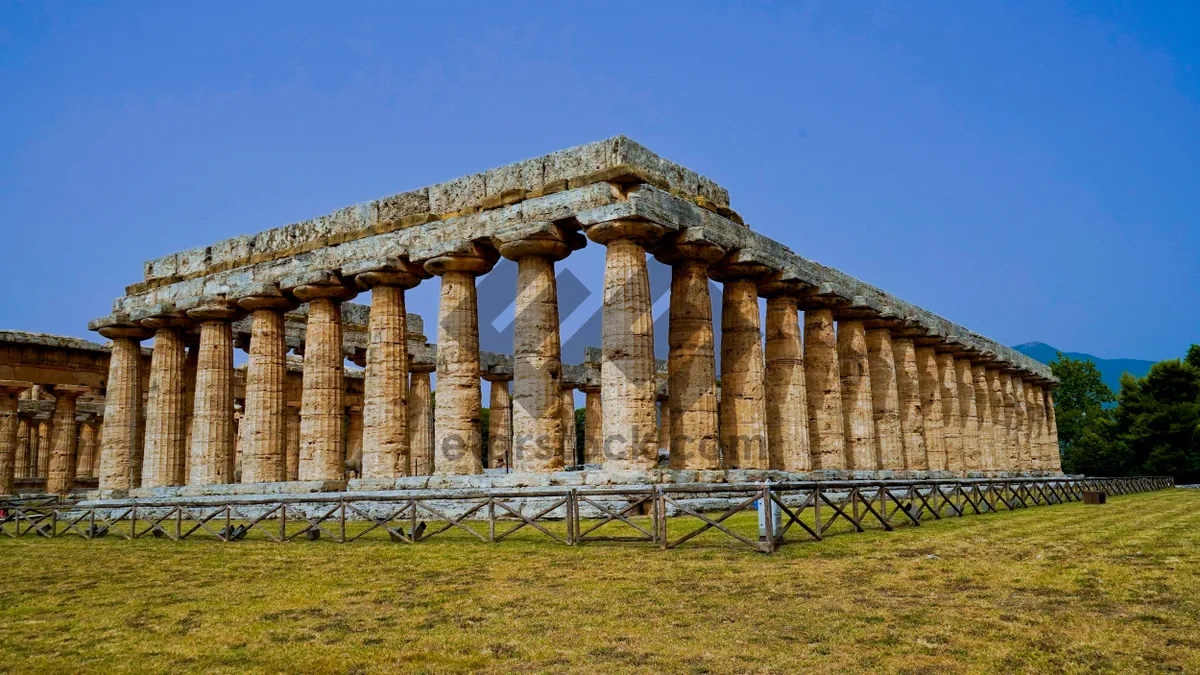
130	331
265	296
740	265
69	391
162	315
547	240
13	387
639	231
318	284
463	256
214	310
398	272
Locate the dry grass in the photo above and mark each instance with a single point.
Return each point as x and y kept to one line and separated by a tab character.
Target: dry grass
1063	588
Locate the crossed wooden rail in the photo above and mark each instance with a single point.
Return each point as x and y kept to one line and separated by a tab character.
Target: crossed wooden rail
667	515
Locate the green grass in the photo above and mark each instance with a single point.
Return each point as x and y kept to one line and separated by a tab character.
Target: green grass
1062	588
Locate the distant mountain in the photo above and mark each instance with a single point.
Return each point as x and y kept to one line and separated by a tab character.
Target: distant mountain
1110	369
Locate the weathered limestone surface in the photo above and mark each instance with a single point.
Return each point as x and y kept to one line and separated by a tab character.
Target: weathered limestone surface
1037	415
292	441
885	400
968	415
212	448
85	466
499	425
1000	444
629	388
742	415
322	405
420	423
986	433
826	431
21	458
61	471
9	421
593	426
786	395
162	460
568	427
912	414
951	414
122	409
45	446
385	396
691	363
857	399
931	407
1012	423
1025	461
1052	425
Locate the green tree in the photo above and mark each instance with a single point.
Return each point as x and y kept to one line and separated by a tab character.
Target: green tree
1158	419
1079	399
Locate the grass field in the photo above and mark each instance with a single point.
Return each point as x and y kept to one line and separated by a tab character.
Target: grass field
1062	588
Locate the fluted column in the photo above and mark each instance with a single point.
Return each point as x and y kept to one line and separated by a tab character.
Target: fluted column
1033	426
1000	445
627	373
987	430
1012	424
593	425
912	411
322	402
21	460
951	414
499	424
45	447
968	415
354	441
264	421
60	476
420	423
691	409
931	407
570	454
385	388
742	415
9	422
85	464
1055	464
457	435
291	439
162	460
857	400
885	400
1022	419
122	407
826	429
538	437
212	451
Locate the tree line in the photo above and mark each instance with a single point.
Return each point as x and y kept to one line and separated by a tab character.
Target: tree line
1150	427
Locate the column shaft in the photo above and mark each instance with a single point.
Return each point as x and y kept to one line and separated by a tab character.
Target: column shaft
1012	449
822	380
857	399
1022	419
912	413
264	423
499	425
87	449
162	462
931	406
212	416
420	424
292	442
45	447
691	370
999	422
21	462
1055	464
385	398
122	411
322	405
593	427
885	400
60	477
570	458
743	408
968	415
9	422
951	414
786	398
537	369
986	431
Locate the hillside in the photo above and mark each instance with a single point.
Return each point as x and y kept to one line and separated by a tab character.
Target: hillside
1110	369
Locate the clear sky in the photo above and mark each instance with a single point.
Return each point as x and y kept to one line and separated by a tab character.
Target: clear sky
1031	171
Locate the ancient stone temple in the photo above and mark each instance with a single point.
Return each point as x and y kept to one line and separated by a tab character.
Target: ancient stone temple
842	380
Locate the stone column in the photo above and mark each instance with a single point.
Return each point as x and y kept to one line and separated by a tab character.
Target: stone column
457	437
999	421
292	441
538	438
45	447
264	421
21	461
1012	450
931	406
1034	425
1022	423
212	451
162	460
857	399
570	456
385	387
189	401
627	373
122	407
87	447
593	425
885	400
420	423
499	424
1055	462
61	474
968	415
912	412
987	430
826	430
691	408
951	414
9	422
743	412
354	440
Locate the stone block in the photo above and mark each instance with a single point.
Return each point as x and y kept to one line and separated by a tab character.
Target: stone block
460	194
230	251
527	175
391	210
711	476
712	192
579	161
192	261
354	219
161	267
567	478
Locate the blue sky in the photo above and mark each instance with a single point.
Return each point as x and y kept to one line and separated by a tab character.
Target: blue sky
1029	170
